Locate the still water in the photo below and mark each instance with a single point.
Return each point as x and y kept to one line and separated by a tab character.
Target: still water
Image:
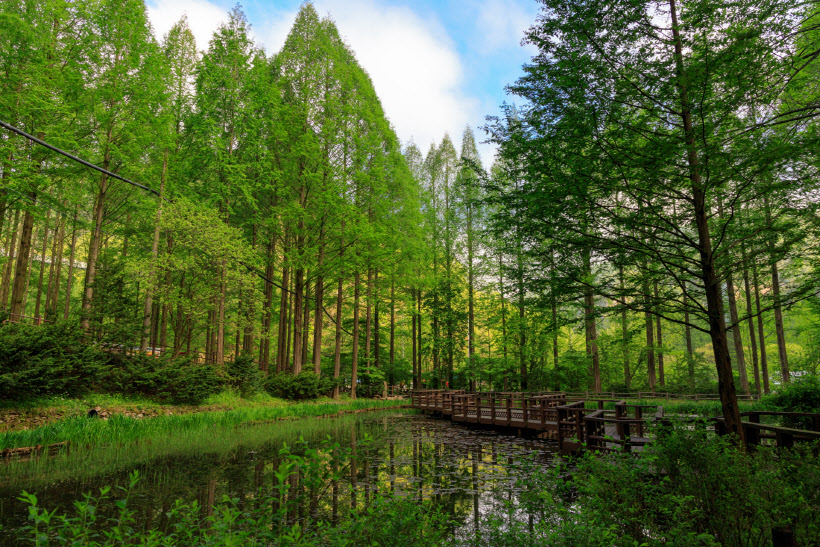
469	472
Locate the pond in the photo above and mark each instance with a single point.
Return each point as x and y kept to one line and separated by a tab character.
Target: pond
470	473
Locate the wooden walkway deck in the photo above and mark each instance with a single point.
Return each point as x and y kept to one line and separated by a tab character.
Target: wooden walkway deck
549	413
568	420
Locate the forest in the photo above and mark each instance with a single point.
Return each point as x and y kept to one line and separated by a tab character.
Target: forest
214	261
649	222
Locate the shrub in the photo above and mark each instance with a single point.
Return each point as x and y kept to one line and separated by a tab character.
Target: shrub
47	360
186	383
244	375
686	489
305	385
130	374
801	395
371	382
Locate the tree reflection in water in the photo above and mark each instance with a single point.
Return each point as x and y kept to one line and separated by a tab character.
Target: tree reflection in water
469	473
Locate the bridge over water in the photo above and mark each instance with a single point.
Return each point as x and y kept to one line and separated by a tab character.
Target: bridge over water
573	424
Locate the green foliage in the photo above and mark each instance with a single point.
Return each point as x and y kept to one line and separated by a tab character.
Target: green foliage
371	382
305	385
801	395
169	430
687	489
245	376
191	384
59	360
174	380
48	360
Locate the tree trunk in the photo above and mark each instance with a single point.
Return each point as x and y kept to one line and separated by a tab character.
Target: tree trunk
367	324
306	321
318	321
778	311
250	323
20	287
354	358
764	363
70	281
337	352
592	339
690	354
624	334
659	344
714	300
737	338
96	239
749	313
11	250
43	263
503	319
414	339
650	341
264	344
220	326
555	364
298	312
522	335
281	358
392	321
55	273
152	265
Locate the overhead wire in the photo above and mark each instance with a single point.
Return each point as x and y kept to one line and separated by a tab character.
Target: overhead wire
90	165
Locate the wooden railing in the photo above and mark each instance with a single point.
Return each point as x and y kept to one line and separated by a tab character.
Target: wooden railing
756	433
612	396
19	318
628	427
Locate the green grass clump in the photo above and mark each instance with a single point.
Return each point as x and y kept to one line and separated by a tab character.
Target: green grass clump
121	429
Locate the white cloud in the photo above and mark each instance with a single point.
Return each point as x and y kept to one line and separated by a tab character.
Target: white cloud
203	17
414	65
500	24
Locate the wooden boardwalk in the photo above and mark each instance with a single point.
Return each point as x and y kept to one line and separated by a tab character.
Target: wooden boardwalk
551	414
568	421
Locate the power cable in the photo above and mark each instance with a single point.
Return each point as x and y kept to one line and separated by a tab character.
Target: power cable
73	157
148	189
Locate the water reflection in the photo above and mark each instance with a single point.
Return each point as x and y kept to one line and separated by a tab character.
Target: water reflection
470	473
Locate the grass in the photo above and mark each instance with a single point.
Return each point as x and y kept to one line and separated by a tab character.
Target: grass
193	438
120	429
64	404
706	409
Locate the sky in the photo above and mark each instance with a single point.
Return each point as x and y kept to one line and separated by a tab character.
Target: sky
437	66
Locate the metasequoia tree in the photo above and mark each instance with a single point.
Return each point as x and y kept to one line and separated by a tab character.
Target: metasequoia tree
650	104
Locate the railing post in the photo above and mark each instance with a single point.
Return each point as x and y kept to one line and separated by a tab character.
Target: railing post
560	433
509	409
751	434
784	439
579	424
524	411
492	408
639	416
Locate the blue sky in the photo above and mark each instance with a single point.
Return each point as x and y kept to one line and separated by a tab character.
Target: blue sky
437	66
